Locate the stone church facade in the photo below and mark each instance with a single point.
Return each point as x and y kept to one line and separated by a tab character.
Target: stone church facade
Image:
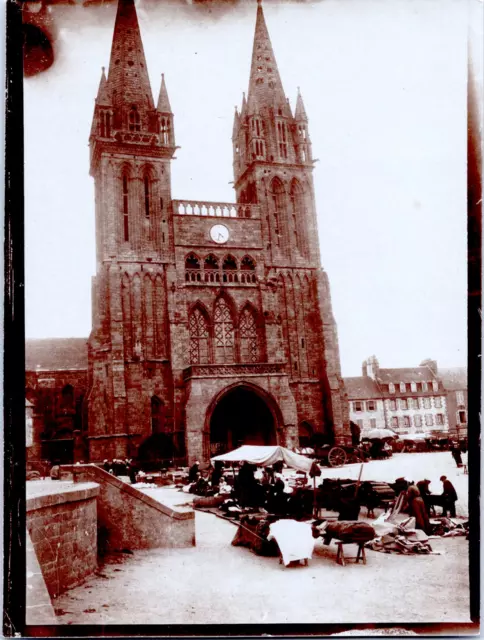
212	322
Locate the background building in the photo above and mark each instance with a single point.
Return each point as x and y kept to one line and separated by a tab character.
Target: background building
455	382
407	400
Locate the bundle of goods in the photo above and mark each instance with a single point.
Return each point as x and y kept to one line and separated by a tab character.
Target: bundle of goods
329	495
356	532
403	539
253	532
375	494
448	527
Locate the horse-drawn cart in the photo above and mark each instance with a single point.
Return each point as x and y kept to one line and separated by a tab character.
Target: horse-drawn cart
338	455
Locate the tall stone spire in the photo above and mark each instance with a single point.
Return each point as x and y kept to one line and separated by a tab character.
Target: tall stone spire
265	86
128	82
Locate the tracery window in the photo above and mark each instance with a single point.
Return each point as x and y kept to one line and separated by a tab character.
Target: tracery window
134	120
223	332
125	208
199	338
249	347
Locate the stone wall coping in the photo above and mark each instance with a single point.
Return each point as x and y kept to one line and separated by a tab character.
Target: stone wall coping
178	513
55	495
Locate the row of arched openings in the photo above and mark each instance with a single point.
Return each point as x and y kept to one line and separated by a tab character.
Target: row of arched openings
224	338
211	269
147	185
295	206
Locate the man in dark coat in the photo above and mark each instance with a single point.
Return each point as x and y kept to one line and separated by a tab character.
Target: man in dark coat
449	496
193	472
423	487
355	434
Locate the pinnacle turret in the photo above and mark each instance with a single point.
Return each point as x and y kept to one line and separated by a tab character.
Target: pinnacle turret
163	100
300	110
103	97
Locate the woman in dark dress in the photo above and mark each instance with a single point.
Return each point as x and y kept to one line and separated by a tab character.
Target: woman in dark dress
417	509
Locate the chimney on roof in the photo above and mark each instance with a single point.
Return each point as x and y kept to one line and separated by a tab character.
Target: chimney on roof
431	365
373	367
364	369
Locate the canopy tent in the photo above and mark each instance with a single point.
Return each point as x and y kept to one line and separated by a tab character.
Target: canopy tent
266	456
415	437
378	434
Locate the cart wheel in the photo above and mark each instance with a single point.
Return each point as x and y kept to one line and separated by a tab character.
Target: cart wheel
336	457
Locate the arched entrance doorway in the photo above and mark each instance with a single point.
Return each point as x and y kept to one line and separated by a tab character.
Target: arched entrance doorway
241	416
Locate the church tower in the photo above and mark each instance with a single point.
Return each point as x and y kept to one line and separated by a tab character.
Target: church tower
132	143
273	166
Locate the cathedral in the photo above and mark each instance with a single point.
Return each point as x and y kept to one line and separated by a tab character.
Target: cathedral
212	322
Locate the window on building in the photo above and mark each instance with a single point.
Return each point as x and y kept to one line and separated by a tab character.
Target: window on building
134	120
415	402
282	139
393	405
360	424
413	386
425	386
223	333
125	208
403	403
417	421
459	397
426	403
358	406
438	402
373	423
395	422
371	405
462	417
435	385
439	419
199	338
403	387
406	422
391	387
147	193
249	348
429	420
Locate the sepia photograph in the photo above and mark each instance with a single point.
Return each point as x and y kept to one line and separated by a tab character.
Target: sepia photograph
251	243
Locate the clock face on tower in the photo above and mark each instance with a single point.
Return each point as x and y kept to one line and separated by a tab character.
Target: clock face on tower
219	233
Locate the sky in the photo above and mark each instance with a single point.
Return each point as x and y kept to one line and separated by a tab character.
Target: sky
384	85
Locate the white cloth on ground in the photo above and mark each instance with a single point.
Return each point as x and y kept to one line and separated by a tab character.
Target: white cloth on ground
294	539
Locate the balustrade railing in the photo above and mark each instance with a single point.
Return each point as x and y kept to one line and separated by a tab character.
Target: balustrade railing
216	276
214	209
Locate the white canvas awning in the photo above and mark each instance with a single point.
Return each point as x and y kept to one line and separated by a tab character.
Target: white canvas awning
266	456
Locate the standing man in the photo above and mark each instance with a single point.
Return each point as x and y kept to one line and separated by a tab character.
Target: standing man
449	496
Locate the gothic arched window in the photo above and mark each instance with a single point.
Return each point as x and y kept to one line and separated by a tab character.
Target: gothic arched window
278	198
165	131
134	119
229	264
223	333
247	264
125	208
298	217
211	262
249	343
199	338
147	195
192	261
157	415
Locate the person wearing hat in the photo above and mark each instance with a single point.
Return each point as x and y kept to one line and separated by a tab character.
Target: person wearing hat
193	472
449	496
423	487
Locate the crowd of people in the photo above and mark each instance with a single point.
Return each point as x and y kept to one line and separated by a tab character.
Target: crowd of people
118	467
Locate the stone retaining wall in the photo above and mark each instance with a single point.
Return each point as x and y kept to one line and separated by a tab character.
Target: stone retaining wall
62	524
